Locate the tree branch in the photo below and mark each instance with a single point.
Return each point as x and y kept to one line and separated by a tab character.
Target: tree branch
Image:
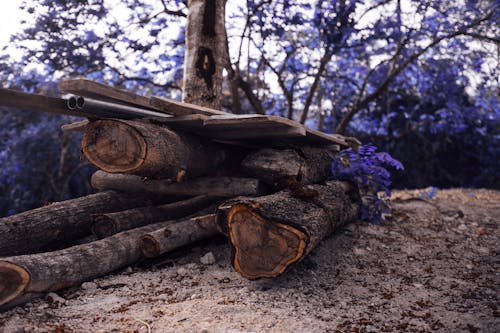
172	12
322	66
362	103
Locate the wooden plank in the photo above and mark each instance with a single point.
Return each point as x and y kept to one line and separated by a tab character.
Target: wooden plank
35	102
321	138
87	88
177	108
189	123
246	127
78	126
212	123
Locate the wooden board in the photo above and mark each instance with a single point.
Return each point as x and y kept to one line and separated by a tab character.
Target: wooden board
248	129
177	108
34	102
87	88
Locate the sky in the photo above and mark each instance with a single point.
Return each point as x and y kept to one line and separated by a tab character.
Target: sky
9	20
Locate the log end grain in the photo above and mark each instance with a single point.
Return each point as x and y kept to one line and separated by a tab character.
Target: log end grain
114	146
13	281
103	226
150	247
262	249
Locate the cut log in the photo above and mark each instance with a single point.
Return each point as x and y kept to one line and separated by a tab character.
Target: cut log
148	150
212	186
305	165
60	222
27	276
177	235
269	234
105	225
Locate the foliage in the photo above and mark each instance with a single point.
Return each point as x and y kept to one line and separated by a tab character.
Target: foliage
367	169
39	163
419	79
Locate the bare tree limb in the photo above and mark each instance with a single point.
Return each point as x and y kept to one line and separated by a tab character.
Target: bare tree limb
396	70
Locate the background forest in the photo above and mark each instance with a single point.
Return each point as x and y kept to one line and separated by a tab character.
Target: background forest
418	79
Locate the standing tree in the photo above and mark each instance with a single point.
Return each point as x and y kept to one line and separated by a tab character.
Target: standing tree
206	53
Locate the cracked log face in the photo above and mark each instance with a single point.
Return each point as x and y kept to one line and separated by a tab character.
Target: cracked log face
114	146
148	150
13	281
270	233
263	249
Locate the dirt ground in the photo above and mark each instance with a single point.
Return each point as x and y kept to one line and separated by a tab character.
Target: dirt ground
433	267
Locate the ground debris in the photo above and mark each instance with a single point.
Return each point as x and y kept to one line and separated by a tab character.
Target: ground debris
433	267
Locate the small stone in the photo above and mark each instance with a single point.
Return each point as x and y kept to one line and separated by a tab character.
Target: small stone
55	298
208	259
462	227
469	266
89	286
181	271
418	285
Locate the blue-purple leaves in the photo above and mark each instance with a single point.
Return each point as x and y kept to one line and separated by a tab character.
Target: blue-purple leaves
367	169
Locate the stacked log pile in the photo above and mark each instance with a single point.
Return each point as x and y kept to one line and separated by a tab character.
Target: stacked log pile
168	181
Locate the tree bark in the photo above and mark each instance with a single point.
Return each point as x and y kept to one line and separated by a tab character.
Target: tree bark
206	53
105	225
305	165
60	222
212	186
269	234
148	150
177	235
27	276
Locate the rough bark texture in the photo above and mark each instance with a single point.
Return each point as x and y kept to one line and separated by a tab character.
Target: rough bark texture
27	276
60	222
212	186
105	225
305	165
270	233
178	234
148	150
206	53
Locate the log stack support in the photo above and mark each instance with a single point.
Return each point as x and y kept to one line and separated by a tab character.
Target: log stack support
166	182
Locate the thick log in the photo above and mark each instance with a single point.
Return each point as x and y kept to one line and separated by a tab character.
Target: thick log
105	225
60	222
27	276
178	234
149	150
268	234
212	186
305	165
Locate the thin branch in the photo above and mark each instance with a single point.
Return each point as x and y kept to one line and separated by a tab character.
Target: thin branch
396	71
172	12
322	66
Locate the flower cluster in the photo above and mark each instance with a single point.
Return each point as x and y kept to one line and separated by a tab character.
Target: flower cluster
367	169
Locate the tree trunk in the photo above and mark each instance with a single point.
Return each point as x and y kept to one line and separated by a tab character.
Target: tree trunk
268	234
59	223
148	150
305	165
27	276
177	235
213	186
206	53
105	225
